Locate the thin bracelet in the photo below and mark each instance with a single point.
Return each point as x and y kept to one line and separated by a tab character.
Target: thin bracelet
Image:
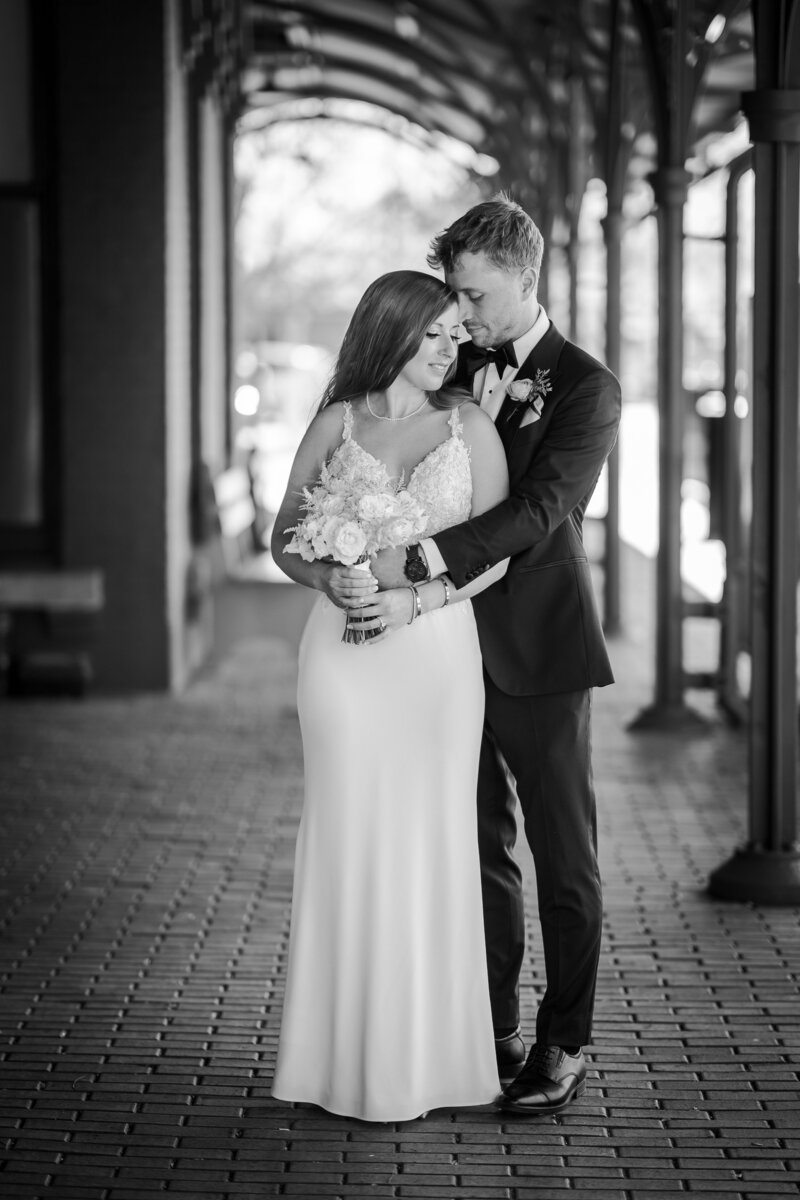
414	603
417	601
446	586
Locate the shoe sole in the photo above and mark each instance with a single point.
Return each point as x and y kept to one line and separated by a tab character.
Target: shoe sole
525	1110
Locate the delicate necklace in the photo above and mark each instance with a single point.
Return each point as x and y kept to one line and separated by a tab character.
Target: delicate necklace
405	416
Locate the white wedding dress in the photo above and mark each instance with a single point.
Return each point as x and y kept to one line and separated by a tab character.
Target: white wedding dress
386	1013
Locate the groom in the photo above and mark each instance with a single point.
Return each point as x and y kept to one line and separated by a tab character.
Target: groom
557	411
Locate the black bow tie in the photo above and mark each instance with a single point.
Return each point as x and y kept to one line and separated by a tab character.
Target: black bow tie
476	357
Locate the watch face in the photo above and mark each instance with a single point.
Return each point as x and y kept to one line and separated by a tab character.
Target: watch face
415	570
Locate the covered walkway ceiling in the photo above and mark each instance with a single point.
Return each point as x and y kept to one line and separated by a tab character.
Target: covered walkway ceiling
515	79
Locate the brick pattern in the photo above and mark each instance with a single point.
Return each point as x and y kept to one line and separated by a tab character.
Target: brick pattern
146	854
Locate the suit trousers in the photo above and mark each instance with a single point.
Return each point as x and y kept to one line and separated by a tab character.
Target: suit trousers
538	749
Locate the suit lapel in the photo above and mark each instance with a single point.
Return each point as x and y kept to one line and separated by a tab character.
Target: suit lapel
544	356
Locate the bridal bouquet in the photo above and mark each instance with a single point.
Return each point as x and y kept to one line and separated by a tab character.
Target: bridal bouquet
347	519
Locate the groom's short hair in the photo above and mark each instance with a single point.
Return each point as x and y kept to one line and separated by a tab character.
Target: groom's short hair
498	228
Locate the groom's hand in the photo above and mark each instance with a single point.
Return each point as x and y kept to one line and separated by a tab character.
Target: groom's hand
387	567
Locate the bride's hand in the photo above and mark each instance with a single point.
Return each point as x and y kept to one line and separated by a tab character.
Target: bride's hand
347	587
391	609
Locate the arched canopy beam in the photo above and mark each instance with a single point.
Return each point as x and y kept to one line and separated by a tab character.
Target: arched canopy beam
501	75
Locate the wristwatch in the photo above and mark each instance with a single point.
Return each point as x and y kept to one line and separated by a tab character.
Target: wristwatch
416	568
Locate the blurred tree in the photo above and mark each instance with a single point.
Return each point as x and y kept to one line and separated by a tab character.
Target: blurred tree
324	206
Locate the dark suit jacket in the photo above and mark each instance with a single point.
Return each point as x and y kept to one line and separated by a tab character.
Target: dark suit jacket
539	627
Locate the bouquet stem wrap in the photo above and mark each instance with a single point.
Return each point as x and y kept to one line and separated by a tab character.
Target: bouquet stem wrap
354	633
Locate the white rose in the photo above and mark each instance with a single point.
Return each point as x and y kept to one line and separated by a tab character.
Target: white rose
315	532
410	508
399	530
404	501
375	508
347	541
520	389
332	506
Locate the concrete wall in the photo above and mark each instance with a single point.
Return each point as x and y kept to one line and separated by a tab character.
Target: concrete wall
111	182
125	332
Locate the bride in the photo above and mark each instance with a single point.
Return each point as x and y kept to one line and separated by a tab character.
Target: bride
386	1013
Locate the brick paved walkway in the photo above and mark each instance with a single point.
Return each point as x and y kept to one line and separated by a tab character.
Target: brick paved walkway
146	872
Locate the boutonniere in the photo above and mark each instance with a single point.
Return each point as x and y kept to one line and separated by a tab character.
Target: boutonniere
531	391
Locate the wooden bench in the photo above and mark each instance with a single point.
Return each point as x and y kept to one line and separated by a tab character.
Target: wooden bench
57	596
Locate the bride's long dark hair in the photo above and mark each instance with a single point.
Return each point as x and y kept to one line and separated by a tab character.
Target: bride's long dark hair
385	332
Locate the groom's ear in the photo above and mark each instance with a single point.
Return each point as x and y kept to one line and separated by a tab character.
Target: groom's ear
530	279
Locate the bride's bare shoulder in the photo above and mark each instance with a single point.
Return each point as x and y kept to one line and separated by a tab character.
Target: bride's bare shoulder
473	417
331	414
336	413
328	422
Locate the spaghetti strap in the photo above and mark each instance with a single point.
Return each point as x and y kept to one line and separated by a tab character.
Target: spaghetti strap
455	423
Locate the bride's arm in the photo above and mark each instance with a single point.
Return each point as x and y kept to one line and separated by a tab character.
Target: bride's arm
341	584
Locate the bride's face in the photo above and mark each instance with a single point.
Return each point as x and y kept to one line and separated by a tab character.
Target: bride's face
427	369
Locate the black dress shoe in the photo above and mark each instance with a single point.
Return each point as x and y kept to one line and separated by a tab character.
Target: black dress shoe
550	1080
510	1053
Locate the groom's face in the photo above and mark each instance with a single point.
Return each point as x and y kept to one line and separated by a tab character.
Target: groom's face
495	304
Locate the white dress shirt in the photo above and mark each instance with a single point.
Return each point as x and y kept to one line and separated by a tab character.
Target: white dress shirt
489	389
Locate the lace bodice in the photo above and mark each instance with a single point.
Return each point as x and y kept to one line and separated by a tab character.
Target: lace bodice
441	482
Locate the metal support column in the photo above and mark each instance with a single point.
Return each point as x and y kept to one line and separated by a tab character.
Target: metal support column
617	153
612	229
767	869
576	157
733	606
668	711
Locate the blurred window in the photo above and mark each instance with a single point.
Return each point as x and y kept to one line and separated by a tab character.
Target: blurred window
16	126
22	406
